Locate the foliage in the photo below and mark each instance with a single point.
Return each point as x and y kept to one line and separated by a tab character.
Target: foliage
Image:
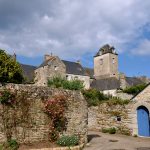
58	82
55	108
68	141
109	130
123	130
10	145
94	97
134	89
10	70
6	97
117	101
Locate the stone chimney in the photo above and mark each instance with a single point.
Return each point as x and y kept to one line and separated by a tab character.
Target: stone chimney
78	61
14	56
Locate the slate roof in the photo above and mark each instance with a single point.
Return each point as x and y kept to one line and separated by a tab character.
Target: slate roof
106	49
132	81
45	63
28	72
106	84
74	68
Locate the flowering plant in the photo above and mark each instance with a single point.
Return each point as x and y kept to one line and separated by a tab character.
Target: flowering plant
55	108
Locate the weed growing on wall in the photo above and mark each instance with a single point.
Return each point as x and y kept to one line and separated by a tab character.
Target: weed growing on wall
58	82
7	97
68	141
135	89
11	104
55	108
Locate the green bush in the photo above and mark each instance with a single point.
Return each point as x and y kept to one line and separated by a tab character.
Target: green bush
112	130
109	130
105	130
94	97
68	141
6	97
10	145
117	101
58	82
134	89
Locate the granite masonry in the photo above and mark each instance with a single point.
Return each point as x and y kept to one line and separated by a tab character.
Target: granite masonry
33	124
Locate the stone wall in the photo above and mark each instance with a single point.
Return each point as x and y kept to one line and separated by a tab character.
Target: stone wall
52	68
124	96
142	99
106	116
36	125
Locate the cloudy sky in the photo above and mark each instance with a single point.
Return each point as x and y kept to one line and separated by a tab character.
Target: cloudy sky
76	29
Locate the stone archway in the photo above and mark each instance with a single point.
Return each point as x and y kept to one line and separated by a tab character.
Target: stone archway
143	121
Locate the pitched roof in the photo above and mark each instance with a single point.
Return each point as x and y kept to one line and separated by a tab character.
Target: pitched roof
28	72
106	49
74	68
45	62
133	81
106	84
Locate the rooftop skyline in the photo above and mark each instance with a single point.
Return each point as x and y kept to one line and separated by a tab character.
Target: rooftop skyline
75	30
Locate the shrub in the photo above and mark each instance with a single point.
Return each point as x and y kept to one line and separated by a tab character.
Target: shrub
55	108
94	97
105	130
112	130
68	141
109	130
10	145
117	101
6	97
58	82
134	89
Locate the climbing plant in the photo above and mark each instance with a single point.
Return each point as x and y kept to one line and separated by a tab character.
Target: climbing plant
55	108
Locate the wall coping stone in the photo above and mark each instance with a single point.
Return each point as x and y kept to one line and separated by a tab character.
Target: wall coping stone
79	147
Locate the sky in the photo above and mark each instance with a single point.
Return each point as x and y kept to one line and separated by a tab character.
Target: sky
76	29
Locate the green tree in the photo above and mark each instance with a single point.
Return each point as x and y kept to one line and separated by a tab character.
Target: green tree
10	70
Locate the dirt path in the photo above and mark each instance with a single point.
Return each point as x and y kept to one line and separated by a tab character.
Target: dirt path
102	141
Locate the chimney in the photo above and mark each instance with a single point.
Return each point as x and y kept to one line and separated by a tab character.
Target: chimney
79	62
47	57
14	56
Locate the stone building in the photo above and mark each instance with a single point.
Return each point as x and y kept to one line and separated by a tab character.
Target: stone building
106	63
54	66
105	75
140	113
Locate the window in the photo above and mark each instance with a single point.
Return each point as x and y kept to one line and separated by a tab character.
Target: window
101	61
113	60
67	77
76	77
55	67
118	118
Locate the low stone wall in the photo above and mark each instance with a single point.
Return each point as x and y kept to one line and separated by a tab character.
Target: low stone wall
35	126
108	116
124	96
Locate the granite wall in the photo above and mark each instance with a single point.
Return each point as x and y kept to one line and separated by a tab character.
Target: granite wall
33	124
107	116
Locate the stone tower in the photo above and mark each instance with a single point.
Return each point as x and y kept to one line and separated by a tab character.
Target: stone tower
106	63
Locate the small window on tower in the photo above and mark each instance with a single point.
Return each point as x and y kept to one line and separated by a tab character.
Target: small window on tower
55	68
113	60
101	61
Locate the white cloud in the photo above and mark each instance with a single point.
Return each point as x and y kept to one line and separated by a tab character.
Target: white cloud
71	28
143	48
